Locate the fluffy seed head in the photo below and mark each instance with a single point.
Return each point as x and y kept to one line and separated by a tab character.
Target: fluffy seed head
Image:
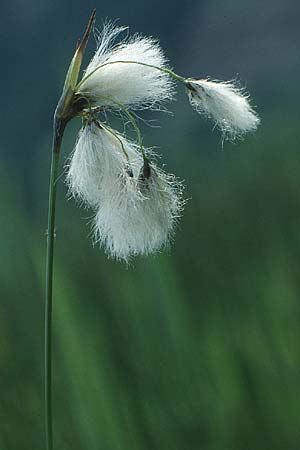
139	215
136	204
225	104
97	161
131	84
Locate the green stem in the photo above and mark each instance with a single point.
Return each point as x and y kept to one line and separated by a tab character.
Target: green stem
59	127
132	120
167	71
135	126
111	131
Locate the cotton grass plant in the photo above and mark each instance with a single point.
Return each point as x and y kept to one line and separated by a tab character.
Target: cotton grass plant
136	204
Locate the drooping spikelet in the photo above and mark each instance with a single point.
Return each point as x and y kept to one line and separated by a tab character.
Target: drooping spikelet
140	214
225	104
97	160
133	85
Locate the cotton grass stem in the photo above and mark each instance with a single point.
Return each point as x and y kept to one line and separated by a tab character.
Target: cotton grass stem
63	113
57	138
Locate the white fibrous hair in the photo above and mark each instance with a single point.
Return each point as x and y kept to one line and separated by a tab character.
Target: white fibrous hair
97	160
139	215
225	104
130	84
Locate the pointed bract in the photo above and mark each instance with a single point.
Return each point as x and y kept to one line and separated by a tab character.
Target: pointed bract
74	68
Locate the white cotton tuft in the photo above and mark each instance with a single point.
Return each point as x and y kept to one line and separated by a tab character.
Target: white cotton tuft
225	104
130	84
97	161
139	215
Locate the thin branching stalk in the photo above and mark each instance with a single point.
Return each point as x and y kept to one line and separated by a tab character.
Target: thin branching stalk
151	66
133	122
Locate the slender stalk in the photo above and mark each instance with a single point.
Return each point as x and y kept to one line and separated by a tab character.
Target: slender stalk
111	131
161	69
133	122
135	125
57	138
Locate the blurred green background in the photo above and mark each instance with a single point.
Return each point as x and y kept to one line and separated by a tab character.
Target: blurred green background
197	348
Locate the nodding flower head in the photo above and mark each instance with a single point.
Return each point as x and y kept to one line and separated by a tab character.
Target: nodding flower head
139	215
136	204
225	104
124	73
